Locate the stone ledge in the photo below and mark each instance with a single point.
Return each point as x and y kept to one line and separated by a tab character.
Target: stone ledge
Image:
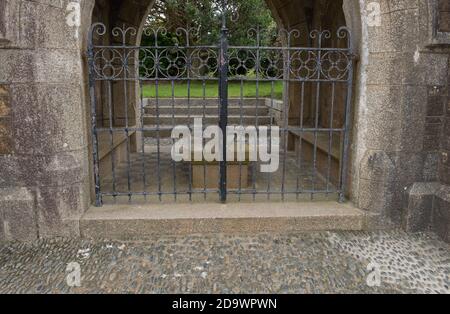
116	221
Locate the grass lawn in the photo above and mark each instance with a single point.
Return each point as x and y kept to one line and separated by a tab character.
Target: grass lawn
211	90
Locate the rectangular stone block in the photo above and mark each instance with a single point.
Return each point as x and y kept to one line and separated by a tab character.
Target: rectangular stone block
445	139
19	214
55	120
436	105
59	209
384	198
441	213
9	22
417	216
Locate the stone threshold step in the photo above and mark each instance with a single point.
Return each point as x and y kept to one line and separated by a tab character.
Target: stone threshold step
138	221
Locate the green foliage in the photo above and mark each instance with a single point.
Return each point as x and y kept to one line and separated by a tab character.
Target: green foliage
204	18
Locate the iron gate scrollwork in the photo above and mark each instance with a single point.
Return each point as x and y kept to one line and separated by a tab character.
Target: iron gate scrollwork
131	131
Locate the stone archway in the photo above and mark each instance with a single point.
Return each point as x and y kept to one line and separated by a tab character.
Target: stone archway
43	130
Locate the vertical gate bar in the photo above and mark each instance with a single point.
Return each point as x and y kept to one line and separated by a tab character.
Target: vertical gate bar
241	121
269	137
158	133
127	131
203	140
158	123
98	196
300	142
141	99
191	128
257	70
345	152
317	110
174	165
223	95
286	105
188	76
330	139
111	131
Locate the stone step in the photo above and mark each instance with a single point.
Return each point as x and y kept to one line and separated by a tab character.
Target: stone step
207	120
164	131
138	221
208	110
213	102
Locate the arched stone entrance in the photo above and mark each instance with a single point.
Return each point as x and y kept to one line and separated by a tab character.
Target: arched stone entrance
323	106
44	146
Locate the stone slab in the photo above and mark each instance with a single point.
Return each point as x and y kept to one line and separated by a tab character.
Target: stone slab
115	221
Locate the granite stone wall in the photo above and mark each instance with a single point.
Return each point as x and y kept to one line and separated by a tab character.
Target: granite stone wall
44	166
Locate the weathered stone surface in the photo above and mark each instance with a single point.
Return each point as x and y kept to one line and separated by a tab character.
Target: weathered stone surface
59	209
441	213
19	216
385	198
47	118
40	65
419	207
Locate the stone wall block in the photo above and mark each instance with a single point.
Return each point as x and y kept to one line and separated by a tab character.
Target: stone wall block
377	166
383	111
18	206
47	119
383	68
44	24
435	68
384	198
445	142
441	213
9	22
431	166
16	66
419	206
412	118
59	209
63	169
404	29
19	170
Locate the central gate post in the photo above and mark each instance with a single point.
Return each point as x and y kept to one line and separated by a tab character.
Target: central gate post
223	95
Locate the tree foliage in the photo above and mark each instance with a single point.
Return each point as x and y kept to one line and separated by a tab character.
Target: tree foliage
205	16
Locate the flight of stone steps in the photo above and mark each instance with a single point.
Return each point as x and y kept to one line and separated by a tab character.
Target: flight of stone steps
167	113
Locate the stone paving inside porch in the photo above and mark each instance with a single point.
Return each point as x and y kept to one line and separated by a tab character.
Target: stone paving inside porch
330	262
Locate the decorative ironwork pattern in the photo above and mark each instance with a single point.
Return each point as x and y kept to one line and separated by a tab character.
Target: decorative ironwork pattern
196	62
114	68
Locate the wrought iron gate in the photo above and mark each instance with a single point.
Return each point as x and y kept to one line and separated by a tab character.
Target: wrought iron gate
131	130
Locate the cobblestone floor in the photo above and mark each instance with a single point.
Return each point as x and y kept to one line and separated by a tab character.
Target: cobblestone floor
264	263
